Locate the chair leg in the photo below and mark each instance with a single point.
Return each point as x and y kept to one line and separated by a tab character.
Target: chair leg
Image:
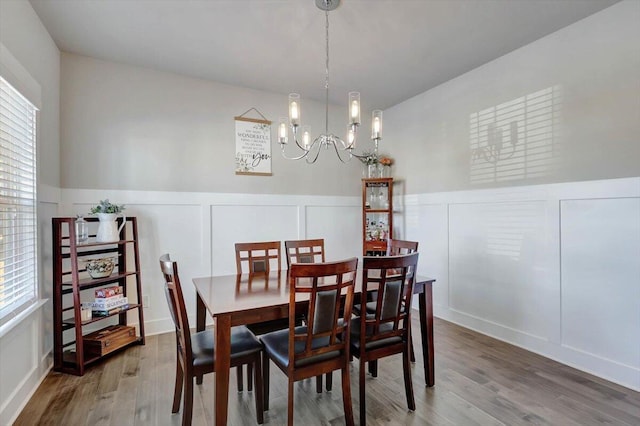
319	384
363	405
187	407
265	380
239	377
413	354
199	379
373	368
250	377
290	403
259	388
408	382
177	391
346	395
329	380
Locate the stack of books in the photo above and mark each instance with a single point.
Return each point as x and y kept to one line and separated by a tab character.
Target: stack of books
108	300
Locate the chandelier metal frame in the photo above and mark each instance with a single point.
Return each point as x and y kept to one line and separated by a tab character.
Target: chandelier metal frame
344	149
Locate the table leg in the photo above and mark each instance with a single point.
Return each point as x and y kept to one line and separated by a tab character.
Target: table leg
201	311
425	299
222	367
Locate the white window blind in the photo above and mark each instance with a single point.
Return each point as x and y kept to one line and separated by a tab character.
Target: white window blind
18	227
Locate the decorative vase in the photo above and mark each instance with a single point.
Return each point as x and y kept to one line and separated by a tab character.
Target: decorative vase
108	231
82	230
374	170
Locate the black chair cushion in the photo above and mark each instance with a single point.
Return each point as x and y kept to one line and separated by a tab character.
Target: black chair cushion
371	308
384	327
276	345
243	342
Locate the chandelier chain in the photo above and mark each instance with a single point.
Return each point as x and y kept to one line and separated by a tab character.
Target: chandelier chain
326	75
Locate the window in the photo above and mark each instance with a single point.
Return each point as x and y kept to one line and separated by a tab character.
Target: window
18	227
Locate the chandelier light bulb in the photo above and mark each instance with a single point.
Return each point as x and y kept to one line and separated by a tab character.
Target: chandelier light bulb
376	124
306	136
354	102
294	109
282	131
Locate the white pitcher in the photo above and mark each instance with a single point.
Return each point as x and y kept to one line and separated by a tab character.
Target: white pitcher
108	231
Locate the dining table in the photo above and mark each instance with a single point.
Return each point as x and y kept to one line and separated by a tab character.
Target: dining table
242	299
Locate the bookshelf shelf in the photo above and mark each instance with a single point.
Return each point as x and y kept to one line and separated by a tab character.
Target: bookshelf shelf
72	285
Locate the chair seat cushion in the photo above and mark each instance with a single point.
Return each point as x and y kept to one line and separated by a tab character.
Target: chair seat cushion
243	342
371	308
276	345
385	327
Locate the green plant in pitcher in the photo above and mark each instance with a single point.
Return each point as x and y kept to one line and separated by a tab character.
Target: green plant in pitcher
106	206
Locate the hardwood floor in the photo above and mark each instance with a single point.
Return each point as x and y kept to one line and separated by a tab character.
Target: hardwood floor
479	381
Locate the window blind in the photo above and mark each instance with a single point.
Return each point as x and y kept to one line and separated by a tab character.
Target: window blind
18	226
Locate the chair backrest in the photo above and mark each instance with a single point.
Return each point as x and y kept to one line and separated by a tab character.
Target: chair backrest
304	251
396	247
259	257
393	277
330	288
175	300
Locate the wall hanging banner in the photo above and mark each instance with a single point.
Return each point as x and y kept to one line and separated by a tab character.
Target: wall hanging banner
253	145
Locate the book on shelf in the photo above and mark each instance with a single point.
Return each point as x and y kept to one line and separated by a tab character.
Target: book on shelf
108	299
112	304
108	291
106	313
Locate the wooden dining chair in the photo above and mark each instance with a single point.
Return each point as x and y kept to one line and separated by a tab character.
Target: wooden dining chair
195	353
258	258
304	251
322	345
394	248
308	251
386	331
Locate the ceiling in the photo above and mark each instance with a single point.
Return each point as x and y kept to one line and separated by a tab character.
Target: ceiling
389	50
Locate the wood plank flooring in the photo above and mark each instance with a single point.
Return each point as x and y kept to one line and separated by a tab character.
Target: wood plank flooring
479	381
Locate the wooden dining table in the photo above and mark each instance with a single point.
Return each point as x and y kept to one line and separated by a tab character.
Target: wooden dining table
246	299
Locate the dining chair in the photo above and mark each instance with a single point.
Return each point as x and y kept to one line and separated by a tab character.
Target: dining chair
195	353
322	345
394	248
304	251
386	331
258	258
308	251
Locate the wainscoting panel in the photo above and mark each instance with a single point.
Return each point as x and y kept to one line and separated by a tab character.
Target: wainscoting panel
341	228
428	224
246	223
601	278
551	268
497	263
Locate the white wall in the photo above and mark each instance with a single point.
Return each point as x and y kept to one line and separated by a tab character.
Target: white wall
552	268
572	97
25	350
126	127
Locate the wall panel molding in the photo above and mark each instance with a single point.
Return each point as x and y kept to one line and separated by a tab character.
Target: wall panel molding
552	268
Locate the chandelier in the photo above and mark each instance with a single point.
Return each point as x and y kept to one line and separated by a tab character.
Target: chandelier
344	148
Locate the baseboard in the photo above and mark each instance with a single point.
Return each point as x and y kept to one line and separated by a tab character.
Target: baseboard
613	371
20	397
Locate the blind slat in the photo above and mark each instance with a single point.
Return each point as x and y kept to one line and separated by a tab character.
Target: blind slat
18	222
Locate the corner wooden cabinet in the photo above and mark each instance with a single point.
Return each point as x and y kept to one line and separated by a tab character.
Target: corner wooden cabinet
377	215
74	340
